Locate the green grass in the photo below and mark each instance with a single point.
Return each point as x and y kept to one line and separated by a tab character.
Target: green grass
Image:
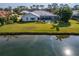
26	27
73	28
40	27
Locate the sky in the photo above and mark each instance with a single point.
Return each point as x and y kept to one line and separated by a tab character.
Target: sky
14	5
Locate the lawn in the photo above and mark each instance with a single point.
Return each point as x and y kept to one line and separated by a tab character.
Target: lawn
40	28
26	27
73	28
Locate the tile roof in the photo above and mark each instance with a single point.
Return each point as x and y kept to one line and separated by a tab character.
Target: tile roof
4	13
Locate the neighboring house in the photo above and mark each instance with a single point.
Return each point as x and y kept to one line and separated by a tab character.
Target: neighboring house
38	15
4	14
75	15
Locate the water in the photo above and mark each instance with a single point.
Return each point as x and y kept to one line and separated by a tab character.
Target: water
39	45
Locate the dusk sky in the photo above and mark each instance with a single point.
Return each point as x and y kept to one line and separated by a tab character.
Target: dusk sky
13	5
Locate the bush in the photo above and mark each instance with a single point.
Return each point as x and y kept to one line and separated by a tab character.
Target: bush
2	20
62	24
20	20
9	21
13	18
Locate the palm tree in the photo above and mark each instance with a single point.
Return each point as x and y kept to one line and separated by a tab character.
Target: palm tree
61	5
55	8
34	6
31	7
42	6
37	6
1	8
49	6
76	7
54	5
10	8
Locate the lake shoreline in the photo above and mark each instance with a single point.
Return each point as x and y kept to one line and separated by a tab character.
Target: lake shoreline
31	33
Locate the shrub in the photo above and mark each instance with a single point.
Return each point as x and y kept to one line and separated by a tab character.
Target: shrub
9	21
2	20
13	18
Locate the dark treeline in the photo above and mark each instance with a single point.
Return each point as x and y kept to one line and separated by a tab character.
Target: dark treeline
53	7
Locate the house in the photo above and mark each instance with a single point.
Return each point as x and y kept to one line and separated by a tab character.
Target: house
4	14
75	15
39	15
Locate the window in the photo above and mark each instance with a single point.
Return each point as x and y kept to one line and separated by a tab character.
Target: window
26	18
32	18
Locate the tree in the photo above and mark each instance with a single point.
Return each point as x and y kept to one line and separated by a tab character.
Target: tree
1	8
65	13
31	7
8	9
34	6
76	7
22	8
13	18
54	5
16	10
37	7
61	37
19	9
49	6
42	6
55	8
2	20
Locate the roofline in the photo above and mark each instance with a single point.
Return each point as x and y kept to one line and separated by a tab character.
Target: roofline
35	14
40	15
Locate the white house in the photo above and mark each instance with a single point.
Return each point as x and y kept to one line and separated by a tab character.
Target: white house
29	17
75	14
39	15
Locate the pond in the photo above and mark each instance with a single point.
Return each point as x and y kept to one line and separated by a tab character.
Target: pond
39	45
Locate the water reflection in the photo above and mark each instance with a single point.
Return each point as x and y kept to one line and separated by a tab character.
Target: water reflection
8	37
61	37
39	45
68	51
58	37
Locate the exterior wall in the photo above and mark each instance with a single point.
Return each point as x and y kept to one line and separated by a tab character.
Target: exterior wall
55	18
48	18
29	17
